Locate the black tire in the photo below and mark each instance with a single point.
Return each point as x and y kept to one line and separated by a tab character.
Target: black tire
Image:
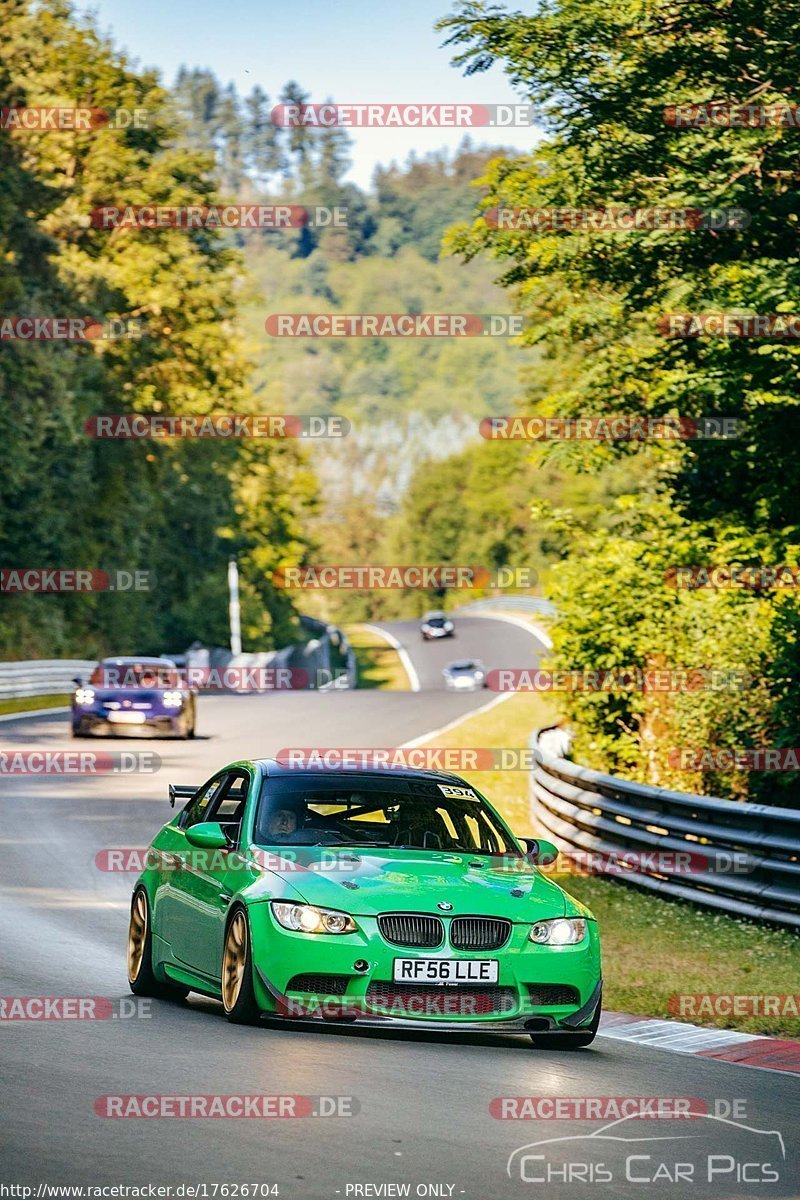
77	733
141	979
569	1041
244	1009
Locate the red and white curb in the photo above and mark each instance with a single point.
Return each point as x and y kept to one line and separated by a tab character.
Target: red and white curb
725	1045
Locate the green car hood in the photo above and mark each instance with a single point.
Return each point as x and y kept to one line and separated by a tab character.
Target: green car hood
418	881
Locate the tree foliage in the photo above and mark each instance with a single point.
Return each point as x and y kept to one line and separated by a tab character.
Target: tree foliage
176	509
601	77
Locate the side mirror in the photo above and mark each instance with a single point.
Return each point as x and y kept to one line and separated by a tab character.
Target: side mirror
207	834
78	680
540	851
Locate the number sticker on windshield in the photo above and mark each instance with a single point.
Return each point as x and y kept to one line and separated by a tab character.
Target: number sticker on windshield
457	793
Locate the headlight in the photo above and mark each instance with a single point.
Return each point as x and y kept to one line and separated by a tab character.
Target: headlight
564	931
307	918
448	625
173	699
84	696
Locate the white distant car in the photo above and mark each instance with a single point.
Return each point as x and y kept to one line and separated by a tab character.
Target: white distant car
436	625
465	675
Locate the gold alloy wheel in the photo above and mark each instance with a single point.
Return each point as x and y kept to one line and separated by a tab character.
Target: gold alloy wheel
233	961
137	935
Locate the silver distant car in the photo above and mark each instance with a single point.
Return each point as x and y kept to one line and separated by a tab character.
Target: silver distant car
436	625
465	675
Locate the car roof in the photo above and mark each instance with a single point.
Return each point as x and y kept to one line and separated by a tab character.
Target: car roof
434	612
273	769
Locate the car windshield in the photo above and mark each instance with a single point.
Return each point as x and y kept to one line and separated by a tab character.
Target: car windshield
435	621
407	813
463	666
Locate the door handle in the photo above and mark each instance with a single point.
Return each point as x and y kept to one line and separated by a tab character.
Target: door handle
225	897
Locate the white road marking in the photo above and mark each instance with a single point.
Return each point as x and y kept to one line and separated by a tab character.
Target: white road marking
413	677
679	1036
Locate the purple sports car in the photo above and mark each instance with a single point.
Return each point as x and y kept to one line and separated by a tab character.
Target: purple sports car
129	697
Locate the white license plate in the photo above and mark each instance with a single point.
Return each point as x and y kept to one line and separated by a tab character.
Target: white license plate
445	970
126	718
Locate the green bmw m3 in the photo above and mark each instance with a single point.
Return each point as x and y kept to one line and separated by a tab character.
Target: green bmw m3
376	896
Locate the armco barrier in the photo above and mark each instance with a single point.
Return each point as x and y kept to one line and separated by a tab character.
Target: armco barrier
50	677
537	605
313	656
40	677
752	851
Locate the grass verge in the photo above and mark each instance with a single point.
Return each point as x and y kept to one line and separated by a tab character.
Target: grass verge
378	663
31	703
653	949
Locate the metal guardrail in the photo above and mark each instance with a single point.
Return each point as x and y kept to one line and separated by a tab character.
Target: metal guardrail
313	656
40	677
49	677
738	858
528	604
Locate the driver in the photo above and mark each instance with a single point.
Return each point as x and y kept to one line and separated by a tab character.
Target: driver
282	823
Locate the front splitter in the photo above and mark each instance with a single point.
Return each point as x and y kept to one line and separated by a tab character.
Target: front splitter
514	1025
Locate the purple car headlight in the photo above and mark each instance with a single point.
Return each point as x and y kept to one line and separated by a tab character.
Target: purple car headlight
84	696
172	699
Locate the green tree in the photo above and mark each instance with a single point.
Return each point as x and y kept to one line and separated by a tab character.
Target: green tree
601	78
173	508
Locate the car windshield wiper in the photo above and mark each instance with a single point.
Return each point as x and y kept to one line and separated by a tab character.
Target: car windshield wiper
355	845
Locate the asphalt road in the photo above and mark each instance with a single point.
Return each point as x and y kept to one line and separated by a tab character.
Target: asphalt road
423	1099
